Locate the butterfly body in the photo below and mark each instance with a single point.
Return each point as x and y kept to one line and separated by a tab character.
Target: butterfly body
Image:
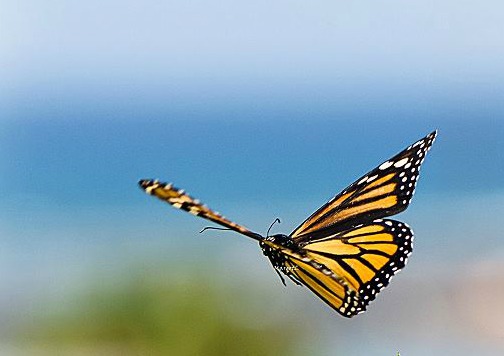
278	258
282	240
346	251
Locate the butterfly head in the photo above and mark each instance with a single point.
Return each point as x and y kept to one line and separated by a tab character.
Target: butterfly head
281	240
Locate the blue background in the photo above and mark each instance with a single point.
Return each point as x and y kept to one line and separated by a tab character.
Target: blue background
261	110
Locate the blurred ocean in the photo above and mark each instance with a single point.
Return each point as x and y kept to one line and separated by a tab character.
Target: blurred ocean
261	111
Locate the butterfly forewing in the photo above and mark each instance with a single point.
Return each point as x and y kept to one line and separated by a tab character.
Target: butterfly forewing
181	200
385	191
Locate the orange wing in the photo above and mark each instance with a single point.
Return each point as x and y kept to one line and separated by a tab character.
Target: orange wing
180	200
385	191
320	279
347	269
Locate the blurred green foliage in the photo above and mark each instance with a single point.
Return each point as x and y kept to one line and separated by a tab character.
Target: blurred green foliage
149	314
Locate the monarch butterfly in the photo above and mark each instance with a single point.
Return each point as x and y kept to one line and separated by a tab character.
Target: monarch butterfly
345	252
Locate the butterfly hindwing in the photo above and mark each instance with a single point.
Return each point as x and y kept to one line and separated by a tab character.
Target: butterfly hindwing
333	292
322	281
362	260
385	191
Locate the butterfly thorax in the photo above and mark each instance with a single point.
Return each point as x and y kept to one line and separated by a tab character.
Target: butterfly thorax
282	240
276	257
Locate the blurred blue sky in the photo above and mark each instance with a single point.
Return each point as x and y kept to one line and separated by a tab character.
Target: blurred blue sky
260	109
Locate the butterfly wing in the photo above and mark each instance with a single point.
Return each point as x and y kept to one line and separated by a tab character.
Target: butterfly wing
321	280
180	200
386	190
348	268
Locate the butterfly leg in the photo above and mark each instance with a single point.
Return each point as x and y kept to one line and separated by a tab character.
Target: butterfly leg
294	279
281	277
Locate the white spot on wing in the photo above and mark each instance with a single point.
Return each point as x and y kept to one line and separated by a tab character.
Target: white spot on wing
370	179
385	165
401	163
363	180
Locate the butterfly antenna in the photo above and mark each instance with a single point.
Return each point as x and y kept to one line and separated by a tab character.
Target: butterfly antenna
214	228
277	220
